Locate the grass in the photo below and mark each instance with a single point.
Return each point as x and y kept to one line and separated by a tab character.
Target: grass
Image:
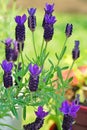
79	21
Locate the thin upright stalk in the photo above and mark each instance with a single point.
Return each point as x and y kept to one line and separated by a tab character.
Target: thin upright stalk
34	44
62	51
42	46
21	54
70	69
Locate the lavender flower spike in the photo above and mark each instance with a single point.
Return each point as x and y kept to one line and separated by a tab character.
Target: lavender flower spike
38	123
34	69
7	66
68	31
40	113
7	78
34	77
69	111
31	11
49	8
32	19
48	27
20	19
76	51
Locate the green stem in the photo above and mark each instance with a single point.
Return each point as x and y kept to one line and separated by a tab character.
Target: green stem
42	46
45	47
22	59
21	54
62	51
34	44
8	126
70	69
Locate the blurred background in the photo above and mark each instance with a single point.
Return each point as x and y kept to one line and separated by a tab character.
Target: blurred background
70	6
66	11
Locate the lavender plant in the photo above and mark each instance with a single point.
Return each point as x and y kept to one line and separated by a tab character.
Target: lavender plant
31	84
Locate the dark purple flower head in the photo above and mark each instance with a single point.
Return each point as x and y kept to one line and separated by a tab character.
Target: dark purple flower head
8	41
40	113
68	31
7	66
31	11
50	19
69	109
76	51
34	69
20	20
49	8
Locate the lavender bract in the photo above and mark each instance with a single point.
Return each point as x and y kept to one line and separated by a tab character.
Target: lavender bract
32	19
7	66
50	19
40	113
68	31
34	69
20	20
76	51
49	8
32	11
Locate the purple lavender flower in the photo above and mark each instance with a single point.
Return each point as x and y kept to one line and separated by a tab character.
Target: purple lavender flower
48	28
49	8
40	113
20	28
68	31
7	78
32	11
76	51
34	69
34	77
8	42
11	53
32	19
7	66
37	124
69	111
20	20
50	19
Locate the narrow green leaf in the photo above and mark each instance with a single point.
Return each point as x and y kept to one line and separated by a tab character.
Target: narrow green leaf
57	56
24	113
65	67
59	73
51	62
62	53
70	79
14	111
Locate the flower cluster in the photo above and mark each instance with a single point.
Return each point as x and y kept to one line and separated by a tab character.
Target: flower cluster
37	88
